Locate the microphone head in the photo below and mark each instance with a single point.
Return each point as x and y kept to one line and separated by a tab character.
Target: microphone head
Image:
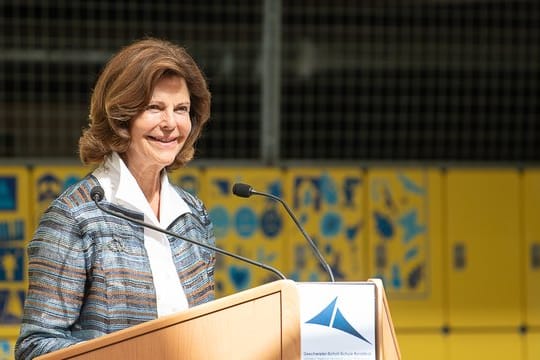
242	190
97	193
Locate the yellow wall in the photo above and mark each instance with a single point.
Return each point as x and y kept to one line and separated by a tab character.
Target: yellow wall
459	249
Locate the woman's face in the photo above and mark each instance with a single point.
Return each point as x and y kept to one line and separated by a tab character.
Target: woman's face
160	131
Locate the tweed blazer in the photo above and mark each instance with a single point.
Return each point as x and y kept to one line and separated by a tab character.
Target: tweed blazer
89	273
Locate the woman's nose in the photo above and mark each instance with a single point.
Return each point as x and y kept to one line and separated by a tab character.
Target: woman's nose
167	119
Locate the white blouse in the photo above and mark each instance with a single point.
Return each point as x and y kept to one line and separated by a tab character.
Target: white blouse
121	188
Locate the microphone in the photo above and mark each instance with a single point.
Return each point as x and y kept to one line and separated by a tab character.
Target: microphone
97	194
245	190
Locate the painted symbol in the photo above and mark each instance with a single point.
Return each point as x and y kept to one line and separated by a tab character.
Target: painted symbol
246	222
396	276
71	180
275	189
271	223
222	185
10	307
12	230
8	193
415	276
384	225
220	219
331	224
409	222
349	189
189	183
328	189
11	264
310	196
352	231
409	185
240	277
265	257
5	350
49	187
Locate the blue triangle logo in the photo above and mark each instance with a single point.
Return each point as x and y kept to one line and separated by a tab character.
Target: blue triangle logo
325	316
331	316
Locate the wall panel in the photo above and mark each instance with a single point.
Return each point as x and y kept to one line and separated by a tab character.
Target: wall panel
251	227
329	203
484	248
405	243
15	230
531	263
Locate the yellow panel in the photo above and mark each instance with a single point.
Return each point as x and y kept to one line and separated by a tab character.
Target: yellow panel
405	233
531	263
329	203
50	181
423	346
251	227
492	346
15	230
532	346
483	248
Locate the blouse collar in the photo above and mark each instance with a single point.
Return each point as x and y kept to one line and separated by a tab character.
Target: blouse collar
121	188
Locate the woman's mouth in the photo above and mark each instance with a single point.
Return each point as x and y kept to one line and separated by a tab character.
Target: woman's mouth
164	140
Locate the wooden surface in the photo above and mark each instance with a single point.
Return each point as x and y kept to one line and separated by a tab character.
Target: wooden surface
260	323
387	344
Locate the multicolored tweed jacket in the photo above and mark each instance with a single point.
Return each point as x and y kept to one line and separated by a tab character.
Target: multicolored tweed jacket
89	273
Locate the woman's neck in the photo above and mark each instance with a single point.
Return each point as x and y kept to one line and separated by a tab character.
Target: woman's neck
150	183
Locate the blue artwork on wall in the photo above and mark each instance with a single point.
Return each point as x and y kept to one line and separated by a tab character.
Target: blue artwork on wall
8	193
11	264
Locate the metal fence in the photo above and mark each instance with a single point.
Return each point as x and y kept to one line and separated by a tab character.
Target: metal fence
305	80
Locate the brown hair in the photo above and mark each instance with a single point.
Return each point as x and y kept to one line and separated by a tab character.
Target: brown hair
125	88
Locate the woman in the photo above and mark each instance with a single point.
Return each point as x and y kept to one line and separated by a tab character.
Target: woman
91	273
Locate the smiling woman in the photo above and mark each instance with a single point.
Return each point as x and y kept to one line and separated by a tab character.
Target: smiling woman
98	273
125	89
158	134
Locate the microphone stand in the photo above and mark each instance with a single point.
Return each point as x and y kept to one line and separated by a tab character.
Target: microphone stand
244	190
97	197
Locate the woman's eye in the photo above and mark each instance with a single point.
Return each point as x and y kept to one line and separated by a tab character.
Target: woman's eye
182	109
152	107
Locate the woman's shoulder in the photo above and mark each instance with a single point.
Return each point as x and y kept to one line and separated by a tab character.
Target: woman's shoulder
78	193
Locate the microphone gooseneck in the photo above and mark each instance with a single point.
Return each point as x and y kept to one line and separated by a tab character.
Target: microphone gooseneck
97	194
245	190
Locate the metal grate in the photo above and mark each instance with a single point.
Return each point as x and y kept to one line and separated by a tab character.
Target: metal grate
52	51
415	80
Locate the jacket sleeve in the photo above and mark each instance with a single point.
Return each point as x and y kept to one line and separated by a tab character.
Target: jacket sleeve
57	277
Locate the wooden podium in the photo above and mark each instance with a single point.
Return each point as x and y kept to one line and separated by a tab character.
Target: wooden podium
260	323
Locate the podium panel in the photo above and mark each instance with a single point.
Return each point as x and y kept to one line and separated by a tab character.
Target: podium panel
171	342
261	323
338	320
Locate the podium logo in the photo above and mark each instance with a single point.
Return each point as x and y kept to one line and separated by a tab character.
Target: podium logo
332	317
